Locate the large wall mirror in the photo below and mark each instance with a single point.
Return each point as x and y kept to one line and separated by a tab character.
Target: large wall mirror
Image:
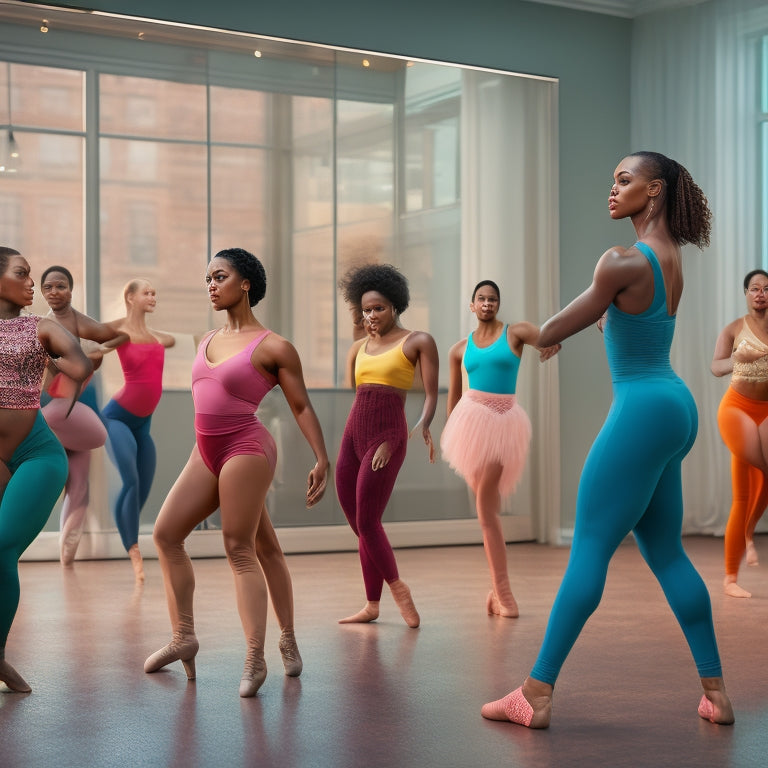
146	147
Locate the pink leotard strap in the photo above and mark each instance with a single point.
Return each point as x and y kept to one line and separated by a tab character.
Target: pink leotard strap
143	372
232	387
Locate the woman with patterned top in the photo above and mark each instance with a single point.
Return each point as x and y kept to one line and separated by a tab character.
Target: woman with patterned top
742	351
33	465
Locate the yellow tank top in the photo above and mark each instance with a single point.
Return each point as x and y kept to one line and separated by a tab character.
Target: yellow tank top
391	368
756	370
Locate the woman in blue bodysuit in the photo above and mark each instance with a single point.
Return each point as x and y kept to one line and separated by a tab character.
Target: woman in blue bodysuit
631	480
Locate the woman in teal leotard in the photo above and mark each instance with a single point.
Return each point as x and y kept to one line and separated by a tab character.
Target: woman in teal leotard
631	480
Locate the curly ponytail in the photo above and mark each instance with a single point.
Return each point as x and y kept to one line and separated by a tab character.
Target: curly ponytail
688	215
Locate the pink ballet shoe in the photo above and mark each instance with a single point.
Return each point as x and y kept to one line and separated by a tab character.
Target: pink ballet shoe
289	650
720	710
182	648
495	608
404	601
254	672
515	708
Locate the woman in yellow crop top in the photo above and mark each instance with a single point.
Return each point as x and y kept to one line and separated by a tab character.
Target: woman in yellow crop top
742	351
382	367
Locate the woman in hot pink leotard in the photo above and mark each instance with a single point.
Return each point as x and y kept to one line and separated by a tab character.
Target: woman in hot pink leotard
128	415
83	430
231	467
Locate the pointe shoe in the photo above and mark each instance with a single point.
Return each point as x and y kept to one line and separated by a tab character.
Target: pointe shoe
404	601
12	678
290	653
136	562
516	708
68	546
181	648
752	558
254	673
716	709
494	607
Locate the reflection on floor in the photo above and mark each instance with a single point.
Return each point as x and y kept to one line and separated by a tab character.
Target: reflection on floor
379	694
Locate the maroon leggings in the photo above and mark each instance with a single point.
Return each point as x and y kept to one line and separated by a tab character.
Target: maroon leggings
377	416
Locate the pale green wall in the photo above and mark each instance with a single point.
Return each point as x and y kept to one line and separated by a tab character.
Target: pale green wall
588	52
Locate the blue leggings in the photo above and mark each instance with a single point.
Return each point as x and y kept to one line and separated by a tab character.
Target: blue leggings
132	450
632	482
38	472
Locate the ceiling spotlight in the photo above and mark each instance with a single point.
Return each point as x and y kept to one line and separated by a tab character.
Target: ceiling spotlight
257	54
366	63
44	26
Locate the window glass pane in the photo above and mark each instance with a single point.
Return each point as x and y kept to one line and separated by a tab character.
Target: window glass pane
314	286
238	116
154	225
241	214
43	97
140	106
42	209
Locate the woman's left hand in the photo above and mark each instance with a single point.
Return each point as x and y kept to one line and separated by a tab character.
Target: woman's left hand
427	435
316	482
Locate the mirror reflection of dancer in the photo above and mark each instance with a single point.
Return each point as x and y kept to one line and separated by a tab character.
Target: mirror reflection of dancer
742	351
128	415
631	479
81	431
231	467
487	435
33	465
382	365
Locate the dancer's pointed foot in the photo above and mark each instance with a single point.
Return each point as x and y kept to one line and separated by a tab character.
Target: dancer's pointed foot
752	558
289	650
181	648
370	612
254	672
136	562
529	705
495	607
68	544
402	596
715	705
12	678
730	587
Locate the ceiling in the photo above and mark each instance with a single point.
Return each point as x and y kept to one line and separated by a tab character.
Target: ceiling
627	8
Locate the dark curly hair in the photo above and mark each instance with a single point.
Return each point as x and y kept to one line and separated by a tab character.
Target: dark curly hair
748	277
490	284
64	271
249	268
688	215
383	278
5	255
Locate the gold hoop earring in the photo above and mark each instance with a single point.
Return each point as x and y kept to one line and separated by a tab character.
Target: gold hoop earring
650	211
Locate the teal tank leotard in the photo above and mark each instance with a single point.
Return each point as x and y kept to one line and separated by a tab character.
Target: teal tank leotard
493	368
631	481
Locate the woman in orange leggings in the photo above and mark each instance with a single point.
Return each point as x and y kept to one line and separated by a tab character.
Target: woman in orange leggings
742	351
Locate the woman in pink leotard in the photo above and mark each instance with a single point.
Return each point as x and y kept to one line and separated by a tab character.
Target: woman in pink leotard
128	415
231	467
82	430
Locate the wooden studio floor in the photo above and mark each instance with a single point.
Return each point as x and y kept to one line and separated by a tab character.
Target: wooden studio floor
378	695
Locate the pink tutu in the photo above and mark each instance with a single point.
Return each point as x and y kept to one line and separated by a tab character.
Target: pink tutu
483	429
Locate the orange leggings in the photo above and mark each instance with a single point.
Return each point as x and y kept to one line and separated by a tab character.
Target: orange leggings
744	430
